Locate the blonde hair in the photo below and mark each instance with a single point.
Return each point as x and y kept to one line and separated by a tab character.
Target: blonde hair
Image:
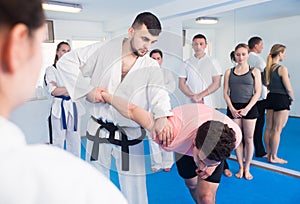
275	51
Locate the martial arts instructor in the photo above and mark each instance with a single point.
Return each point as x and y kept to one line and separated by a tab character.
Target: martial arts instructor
120	66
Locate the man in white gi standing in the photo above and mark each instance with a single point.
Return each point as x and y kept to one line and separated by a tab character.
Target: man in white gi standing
160	158
122	67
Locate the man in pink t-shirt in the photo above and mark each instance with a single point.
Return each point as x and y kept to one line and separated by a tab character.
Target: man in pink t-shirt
199	131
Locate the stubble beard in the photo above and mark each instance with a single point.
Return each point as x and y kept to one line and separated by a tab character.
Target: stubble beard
135	51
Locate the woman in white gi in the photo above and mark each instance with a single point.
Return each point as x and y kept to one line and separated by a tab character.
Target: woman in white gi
65	113
24	172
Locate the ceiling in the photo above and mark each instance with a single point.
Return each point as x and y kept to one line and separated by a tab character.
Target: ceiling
115	15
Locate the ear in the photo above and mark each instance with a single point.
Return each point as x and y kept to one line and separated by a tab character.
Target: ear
16	47
130	32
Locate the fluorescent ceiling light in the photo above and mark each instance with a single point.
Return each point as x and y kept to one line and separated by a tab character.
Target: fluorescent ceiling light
207	20
61	6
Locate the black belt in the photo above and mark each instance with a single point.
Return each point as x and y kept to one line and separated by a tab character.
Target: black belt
124	142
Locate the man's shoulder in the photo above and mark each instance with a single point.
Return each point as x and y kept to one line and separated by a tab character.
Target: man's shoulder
257	61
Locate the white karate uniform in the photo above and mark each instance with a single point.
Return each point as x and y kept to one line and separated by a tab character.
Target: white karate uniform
160	158
35	174
100	65
60	135
199	73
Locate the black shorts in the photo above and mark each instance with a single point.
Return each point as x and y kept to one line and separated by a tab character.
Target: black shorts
187	167
278	102
252	114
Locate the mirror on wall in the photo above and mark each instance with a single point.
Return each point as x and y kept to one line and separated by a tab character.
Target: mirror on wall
275	22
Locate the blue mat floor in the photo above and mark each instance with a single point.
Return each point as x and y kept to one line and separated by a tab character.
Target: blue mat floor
266	187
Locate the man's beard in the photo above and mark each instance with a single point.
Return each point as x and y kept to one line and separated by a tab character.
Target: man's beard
135	51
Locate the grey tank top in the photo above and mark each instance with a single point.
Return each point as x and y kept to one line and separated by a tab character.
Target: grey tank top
241	86
276	85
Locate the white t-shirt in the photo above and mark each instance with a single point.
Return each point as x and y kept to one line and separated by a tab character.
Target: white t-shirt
257	61
199	73
35	174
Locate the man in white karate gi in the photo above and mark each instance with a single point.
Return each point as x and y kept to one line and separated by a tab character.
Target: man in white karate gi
121	67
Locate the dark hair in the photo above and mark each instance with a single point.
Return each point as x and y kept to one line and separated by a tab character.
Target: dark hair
58	47
232	57
200	36
254	41
29	13
150	21
156	51
215	139
242	45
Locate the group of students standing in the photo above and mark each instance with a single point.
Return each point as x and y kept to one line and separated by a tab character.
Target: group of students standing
248	99
106	74
251	88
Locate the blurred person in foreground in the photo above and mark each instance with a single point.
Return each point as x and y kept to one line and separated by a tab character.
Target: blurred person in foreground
35	174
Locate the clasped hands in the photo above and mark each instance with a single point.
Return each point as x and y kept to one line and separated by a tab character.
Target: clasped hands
161	128
197	98
239	113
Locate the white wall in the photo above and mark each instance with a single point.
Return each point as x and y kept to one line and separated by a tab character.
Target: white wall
78	30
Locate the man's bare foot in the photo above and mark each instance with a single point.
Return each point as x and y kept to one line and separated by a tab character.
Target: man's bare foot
227	173
278	161
265	156
248	175
239	174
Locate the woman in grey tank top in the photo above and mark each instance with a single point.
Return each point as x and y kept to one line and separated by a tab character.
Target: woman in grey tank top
279	100
242	87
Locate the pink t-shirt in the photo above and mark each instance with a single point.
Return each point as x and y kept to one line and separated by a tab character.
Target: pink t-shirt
186	121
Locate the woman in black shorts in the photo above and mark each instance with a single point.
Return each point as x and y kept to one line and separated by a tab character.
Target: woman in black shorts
279	100
242	87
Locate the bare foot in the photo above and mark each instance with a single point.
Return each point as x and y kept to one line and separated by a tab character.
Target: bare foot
154	169
265	156
278	161
239	174
167	169
248	175
227	173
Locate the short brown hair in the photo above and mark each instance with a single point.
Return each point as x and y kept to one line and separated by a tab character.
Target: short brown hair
215	139
150	21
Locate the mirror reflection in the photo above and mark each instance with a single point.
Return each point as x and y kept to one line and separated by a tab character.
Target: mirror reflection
238	26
